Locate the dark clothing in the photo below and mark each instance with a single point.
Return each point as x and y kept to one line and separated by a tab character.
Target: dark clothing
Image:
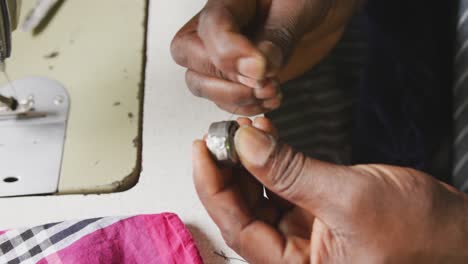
404	113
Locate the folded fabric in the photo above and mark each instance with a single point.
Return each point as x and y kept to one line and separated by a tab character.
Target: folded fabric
161	238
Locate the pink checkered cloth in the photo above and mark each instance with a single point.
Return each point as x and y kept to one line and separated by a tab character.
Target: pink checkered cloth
161	238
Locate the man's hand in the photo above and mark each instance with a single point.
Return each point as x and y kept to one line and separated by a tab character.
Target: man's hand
323	213
236	50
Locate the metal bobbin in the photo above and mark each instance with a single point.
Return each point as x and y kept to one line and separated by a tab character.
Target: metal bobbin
220	142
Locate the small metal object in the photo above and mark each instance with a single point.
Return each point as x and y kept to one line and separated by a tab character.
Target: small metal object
10	102
220	142
9	14
23	108
31	144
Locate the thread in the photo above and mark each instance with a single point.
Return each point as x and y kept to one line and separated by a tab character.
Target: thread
223	255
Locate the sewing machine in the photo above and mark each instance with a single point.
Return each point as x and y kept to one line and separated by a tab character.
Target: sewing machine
74	127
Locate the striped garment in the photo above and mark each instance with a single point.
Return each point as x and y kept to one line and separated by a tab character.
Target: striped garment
461	100
383	93
159	238
317	113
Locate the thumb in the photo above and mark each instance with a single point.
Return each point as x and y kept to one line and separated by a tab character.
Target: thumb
308	183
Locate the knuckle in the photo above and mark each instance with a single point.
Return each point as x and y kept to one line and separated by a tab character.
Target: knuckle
241	96
210	17
287	167
284	37
193	83
218	73
214	71
205	18
177	53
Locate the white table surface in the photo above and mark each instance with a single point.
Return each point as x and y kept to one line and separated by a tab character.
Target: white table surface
173	118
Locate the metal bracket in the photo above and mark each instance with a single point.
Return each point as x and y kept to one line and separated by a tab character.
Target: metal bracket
31	143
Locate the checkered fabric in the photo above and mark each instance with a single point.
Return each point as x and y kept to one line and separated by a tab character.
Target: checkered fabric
146	239
33	244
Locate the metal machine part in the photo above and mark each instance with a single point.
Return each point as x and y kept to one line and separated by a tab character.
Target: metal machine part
220	142
9	12
9	102
13	109
32	138
9	20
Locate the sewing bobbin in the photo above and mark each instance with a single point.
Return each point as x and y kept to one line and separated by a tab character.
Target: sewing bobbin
220	142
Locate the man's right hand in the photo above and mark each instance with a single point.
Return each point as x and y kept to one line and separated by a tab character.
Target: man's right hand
236	50
317	212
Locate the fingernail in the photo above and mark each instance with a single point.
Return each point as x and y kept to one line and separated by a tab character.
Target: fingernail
267	91
274	57
252	67
273	103
253	146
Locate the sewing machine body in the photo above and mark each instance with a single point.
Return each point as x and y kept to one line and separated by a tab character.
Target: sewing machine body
95	50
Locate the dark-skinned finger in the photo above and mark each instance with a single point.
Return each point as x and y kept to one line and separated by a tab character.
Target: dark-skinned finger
214	185
265	125
296	222
261	243
248	110
261	107
285	25
270	89
308	183
226	206
219	179
274	204
188	50
220	28
267	212
244	121
250	188
218	90
272	103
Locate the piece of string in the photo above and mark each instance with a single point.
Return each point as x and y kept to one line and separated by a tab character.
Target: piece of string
226	258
